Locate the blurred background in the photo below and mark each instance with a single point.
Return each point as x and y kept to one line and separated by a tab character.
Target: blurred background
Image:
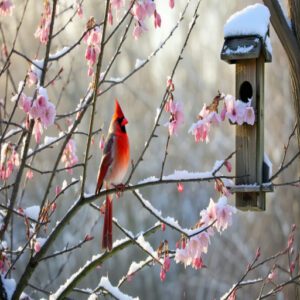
199	76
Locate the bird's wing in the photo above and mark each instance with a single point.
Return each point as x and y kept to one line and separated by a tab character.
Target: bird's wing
106	161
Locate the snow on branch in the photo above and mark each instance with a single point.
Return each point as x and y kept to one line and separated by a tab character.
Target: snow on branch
96	260
114	291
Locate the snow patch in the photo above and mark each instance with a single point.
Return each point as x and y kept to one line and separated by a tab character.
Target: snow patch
240	49
252	20
139	63
9	286
114	291
32	212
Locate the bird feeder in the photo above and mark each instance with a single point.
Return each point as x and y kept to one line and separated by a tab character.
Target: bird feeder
249	53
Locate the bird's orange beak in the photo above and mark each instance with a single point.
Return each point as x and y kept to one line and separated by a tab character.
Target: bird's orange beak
124	122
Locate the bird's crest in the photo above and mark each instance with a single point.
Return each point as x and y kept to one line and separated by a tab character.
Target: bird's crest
118	111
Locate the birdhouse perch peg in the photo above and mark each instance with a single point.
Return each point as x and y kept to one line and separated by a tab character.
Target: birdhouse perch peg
249	53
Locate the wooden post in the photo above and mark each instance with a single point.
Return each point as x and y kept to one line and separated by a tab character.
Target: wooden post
249	138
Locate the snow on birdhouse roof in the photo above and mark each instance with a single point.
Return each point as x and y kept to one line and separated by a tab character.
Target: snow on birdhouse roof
252	20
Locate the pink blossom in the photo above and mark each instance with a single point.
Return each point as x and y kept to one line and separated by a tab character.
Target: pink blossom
231	112
139	11
273	275
170	84
117	4
69	156
201	130
176	118
198	263
214	118
204	112
53	206
9	160
38	131
6	8
209	214
29	174
171	3
37	247
167	263
228	165
79	10
94	37
43	30
162	275
102	142
110	18
137	31
180	187
49	114
157	19
224	214
39	107
182	256
149	7
32	78
25	103
163	226
249	117
57	190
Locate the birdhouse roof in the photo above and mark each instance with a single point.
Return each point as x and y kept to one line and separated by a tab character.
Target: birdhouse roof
246	47
246	35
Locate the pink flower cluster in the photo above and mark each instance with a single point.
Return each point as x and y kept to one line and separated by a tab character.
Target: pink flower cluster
6	8
43	30
236	111
92	39
175	109
116	5
9	160
176	116
141	10
69	157
219	216
165	268
41	110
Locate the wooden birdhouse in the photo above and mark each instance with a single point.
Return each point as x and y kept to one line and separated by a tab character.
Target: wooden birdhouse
249	53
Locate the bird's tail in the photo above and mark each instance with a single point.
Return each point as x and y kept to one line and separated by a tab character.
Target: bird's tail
107	228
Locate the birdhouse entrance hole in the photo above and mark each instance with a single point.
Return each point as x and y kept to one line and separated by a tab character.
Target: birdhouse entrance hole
246	91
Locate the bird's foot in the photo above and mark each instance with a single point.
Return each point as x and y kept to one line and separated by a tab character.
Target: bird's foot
119	189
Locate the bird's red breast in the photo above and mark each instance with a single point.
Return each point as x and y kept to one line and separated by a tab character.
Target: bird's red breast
116	154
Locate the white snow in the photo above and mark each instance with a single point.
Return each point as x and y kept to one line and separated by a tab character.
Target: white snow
181	175
252	20
269	164
137	266
139	63
116	79
32	212
59	53
49	140
156	116
114	291
146	245
43	92
37	68
93	297
64	184
268	44
240	49
9	286
170	221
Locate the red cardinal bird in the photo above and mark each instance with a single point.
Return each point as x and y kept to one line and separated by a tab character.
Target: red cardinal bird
113	167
